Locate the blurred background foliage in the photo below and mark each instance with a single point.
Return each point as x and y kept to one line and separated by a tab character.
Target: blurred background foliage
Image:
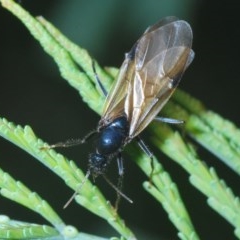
32	92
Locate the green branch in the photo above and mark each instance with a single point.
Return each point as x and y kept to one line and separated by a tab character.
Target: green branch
217	135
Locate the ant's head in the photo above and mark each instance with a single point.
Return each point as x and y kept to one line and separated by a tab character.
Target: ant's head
97	164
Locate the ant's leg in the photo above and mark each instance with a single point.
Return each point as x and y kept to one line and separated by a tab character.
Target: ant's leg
168	120
120	164
171	121
147	151
71	142
104	91
118	188
120	180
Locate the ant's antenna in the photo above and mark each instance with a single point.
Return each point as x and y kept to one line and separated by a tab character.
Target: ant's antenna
117	190
78	189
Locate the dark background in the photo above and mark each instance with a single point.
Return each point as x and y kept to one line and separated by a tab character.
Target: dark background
32	92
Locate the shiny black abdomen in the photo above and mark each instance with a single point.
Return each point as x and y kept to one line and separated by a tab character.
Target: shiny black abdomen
112	137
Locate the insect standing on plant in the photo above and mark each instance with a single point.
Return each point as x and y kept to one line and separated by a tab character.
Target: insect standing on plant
147	78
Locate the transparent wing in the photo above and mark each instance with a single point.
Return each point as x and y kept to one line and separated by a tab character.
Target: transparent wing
161	57
115	101
150	73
